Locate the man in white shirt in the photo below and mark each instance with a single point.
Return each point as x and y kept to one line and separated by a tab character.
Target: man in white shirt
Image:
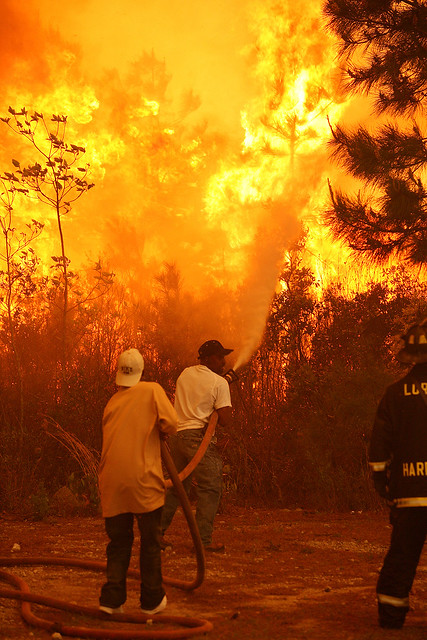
200	390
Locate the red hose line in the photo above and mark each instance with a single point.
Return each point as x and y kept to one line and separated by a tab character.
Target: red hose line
199	453
191	521
193	626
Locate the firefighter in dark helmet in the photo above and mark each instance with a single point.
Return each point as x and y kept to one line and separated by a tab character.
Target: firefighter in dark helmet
398	459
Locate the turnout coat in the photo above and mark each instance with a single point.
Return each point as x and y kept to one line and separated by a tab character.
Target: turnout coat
398	447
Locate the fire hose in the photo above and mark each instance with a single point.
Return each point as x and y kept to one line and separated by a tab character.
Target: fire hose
199	453
192	626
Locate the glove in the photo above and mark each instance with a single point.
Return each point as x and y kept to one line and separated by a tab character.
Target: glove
381	483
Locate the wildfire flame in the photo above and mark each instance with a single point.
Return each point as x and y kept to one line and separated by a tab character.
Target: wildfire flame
219	184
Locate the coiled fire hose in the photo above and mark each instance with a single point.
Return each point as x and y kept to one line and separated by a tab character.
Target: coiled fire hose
191	626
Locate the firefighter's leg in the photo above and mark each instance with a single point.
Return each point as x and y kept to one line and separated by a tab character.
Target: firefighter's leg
120	531
150	562
181	458
400	564
208	475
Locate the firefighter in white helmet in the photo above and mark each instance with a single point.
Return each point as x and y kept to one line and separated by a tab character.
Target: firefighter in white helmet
398	459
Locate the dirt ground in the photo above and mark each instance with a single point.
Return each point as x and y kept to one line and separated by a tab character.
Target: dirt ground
284	574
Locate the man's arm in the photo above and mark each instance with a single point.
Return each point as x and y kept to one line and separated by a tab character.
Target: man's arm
224	416
166	414
380	453
223	402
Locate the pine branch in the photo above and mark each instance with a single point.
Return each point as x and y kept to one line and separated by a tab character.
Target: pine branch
391	35
374	232
374	157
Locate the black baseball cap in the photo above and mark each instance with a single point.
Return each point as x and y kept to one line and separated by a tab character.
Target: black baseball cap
213	348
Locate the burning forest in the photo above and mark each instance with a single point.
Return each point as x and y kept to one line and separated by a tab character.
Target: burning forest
168	174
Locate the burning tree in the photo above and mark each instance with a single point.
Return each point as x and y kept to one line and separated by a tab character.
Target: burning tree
16	278
58	182
384	50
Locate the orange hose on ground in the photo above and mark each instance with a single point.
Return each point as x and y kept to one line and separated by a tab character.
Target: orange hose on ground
193	626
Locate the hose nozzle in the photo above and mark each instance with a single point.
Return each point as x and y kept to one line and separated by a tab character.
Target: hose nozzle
231	376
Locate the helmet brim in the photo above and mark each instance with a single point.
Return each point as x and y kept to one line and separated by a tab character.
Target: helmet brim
411	358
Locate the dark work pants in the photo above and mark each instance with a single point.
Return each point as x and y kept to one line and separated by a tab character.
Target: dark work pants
400	564
120	532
